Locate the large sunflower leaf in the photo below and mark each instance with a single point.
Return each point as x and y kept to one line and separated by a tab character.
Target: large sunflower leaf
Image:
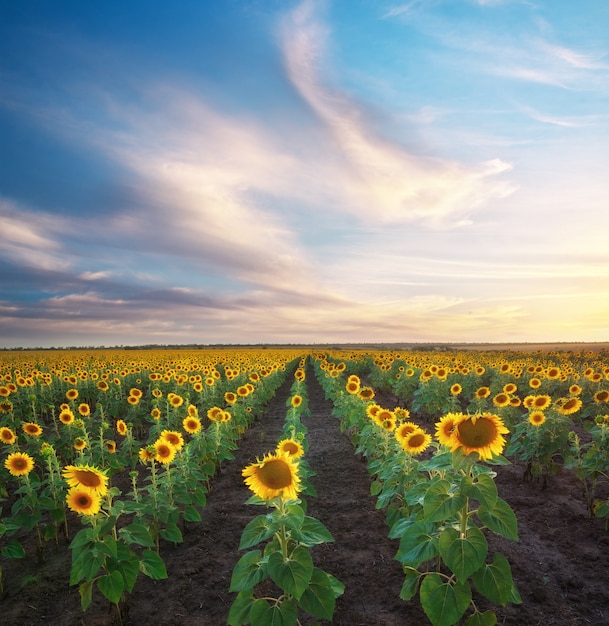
500	519
259	529
247	572
494	581
463	555
265	614
312	532
417	545
444	603
294	573
318	598
441	503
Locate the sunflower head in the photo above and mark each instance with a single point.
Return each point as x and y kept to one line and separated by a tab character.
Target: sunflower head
7	435
191	424
83	501
275	476
173	437
291	447
445	428
164	453
537	418
416	442
19	463
86	477
32	429
481	433
121	427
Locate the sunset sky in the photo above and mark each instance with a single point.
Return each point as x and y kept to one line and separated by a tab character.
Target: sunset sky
275	171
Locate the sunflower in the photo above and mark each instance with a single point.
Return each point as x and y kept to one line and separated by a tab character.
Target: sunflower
176	400
155	413
225	417
191	424
243	391
86	477
133	400
534	383
445	428
601	396
541	402
401	413
66	417
83	501
110	446
72	394
215	414
79	444
537	418
569	406
146	454
481	433
102	385
366	393
192	411
135	392
296	401
482	392
7	435
291	447
501	400
31	428
382	415
403	430
121	427
388	423
456	389
416	442
372	410
198	386
6	406
275	476
230	397
353	386
575	390
19	463
164	452
84	409
509	388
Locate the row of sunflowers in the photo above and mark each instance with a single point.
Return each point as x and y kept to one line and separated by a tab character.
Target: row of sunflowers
116	452
431	456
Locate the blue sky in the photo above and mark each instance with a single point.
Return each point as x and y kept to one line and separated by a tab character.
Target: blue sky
303	171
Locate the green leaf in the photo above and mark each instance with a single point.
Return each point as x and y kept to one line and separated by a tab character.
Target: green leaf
239	613
247	572
171	533
410	584
136	533
312	532
264	614
417	545
463	555
318	598
86	594
153	565
488	618
292	575
191	514
444	603
112	586
13	550
259	529
494	581
485	491
376	487
500	519
292	518
440	503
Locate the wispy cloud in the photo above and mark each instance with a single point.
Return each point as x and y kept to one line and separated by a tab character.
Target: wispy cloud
376	172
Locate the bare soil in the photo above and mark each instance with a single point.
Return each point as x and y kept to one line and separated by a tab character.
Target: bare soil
560	563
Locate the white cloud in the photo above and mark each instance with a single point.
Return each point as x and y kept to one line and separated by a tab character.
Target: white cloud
379	179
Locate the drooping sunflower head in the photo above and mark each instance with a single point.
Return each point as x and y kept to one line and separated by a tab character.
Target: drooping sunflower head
79	444
366	393
19	463
275	476
601	396
83	501
481	433
291	447
416	442
86	477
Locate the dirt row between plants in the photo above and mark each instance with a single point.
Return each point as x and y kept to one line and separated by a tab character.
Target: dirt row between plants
560	564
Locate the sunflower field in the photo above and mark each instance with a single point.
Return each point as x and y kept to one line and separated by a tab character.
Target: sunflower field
112	461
